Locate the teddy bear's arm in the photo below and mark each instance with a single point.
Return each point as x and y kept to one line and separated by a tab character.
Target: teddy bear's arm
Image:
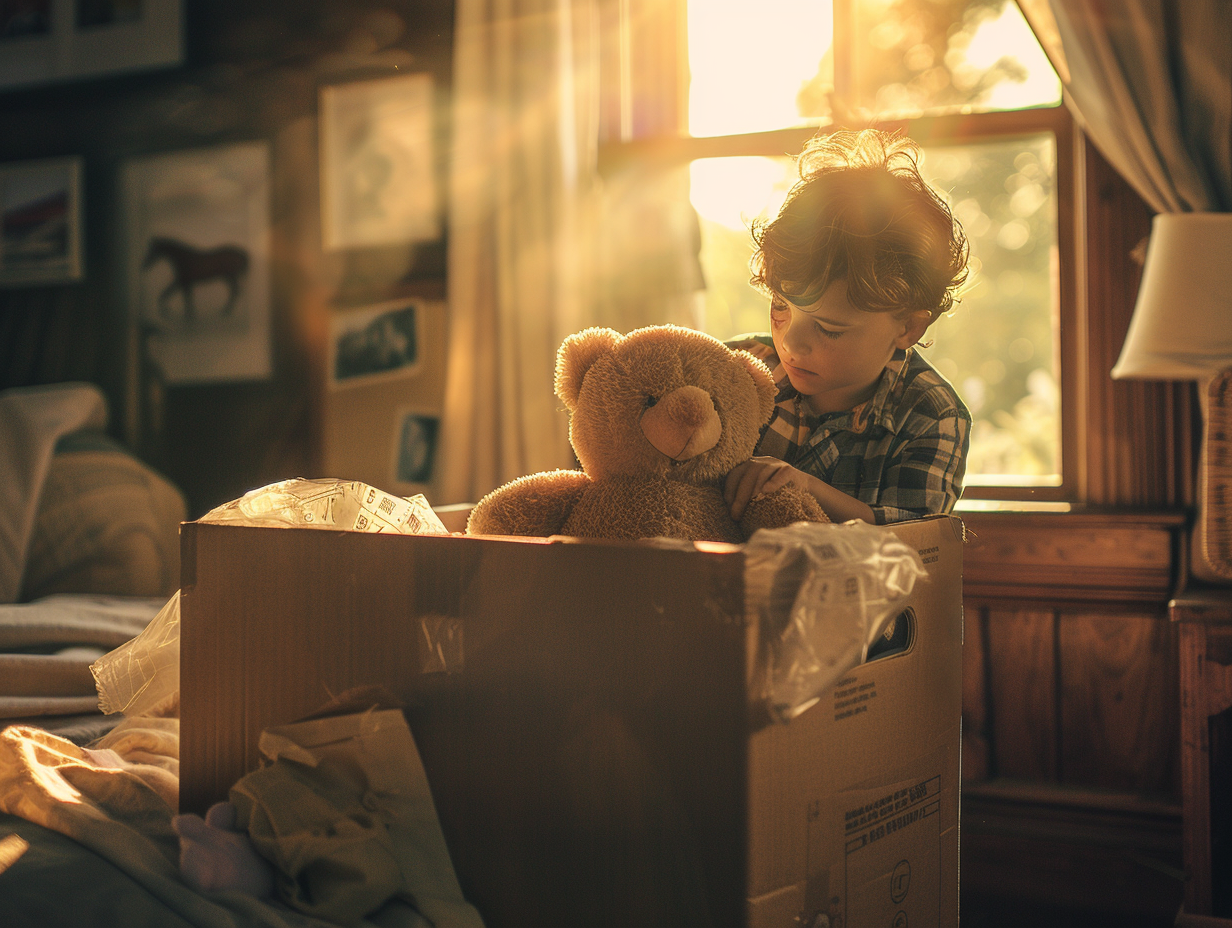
782	507
537	504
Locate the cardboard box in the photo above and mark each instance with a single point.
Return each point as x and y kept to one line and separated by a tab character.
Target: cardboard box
587	716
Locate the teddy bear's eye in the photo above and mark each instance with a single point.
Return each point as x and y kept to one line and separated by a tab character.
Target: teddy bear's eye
651	400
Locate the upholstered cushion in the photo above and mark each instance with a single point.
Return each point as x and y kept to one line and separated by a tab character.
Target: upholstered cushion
106	523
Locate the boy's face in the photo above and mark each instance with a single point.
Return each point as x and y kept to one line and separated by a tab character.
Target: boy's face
834	353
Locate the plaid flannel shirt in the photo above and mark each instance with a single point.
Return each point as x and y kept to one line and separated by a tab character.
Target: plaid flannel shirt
903	452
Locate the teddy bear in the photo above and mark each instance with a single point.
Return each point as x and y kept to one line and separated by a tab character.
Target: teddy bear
658	417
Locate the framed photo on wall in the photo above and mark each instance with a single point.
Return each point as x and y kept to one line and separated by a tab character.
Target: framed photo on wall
415	446
40	222
197	238
374	343
384	401
378	177
48	41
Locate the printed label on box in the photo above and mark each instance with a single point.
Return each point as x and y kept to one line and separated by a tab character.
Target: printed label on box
893	841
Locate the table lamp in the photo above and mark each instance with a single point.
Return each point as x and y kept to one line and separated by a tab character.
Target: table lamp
1182	330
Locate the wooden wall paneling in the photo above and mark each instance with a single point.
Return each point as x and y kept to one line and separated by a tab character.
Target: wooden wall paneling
1090	850
1139	434
1119	705
976	719
1083	556
1023	685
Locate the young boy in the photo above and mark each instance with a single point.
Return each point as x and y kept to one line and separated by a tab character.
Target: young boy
862	258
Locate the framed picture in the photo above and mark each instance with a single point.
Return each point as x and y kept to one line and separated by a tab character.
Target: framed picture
46	41
385	393
40	222
378	182
374	343
415	446
197	236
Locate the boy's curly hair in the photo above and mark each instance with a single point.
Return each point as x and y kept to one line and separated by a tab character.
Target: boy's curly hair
862	212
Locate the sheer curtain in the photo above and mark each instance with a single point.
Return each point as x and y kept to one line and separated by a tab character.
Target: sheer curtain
522	183
1150	82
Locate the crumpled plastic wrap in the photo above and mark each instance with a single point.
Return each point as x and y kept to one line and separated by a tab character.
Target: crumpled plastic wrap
821	594
326	503
144	672
140	674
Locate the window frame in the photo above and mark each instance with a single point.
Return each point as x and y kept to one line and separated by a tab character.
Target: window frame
643	122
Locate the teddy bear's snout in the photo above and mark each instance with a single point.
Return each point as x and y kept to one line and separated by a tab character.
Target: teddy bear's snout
683	424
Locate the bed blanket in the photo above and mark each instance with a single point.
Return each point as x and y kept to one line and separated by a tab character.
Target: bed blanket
32	419
46	649
117	800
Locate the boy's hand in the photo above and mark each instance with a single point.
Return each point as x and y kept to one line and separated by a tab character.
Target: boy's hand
755	477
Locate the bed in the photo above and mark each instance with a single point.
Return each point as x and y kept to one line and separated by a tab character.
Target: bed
89	554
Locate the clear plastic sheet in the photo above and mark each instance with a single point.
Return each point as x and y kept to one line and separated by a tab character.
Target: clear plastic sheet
326	503
821	594
140	674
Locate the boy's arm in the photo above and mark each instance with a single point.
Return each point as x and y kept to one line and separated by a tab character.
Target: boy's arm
925	478
761	475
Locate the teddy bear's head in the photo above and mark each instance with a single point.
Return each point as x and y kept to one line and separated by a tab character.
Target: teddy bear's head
661	401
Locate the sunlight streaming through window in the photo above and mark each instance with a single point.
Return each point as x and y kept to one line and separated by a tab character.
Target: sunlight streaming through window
770	65
750	61
948	56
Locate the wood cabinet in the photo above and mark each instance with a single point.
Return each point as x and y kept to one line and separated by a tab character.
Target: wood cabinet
1203	619
1071	744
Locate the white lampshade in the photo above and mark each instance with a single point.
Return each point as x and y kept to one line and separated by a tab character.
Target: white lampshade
1182	323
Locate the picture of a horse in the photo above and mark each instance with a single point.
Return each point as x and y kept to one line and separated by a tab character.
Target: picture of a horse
193	266
198	267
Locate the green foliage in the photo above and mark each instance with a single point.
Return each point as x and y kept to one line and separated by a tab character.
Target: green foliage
998	346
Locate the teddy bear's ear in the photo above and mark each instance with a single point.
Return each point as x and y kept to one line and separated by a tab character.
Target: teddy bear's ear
575	357
766	391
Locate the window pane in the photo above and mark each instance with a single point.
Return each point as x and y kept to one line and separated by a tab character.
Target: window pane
728	194
770	65
998	347
948	55
758	66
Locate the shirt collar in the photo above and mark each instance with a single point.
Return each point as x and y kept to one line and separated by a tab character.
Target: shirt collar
877	409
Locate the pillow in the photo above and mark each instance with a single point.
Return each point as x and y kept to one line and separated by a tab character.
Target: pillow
106	523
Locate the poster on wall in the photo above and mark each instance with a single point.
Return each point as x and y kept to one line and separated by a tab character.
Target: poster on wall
374	343
378	181
48	41
40	222
197	232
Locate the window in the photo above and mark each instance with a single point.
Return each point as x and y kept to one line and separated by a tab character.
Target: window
968	81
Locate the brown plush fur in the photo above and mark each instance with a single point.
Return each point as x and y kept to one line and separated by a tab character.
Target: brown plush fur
658	419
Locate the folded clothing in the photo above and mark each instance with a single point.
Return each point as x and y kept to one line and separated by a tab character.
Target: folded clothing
55	622
46	649
61	674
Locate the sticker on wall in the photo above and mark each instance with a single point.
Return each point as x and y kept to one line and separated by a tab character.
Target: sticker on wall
378	179
197	228
415	447
374	342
